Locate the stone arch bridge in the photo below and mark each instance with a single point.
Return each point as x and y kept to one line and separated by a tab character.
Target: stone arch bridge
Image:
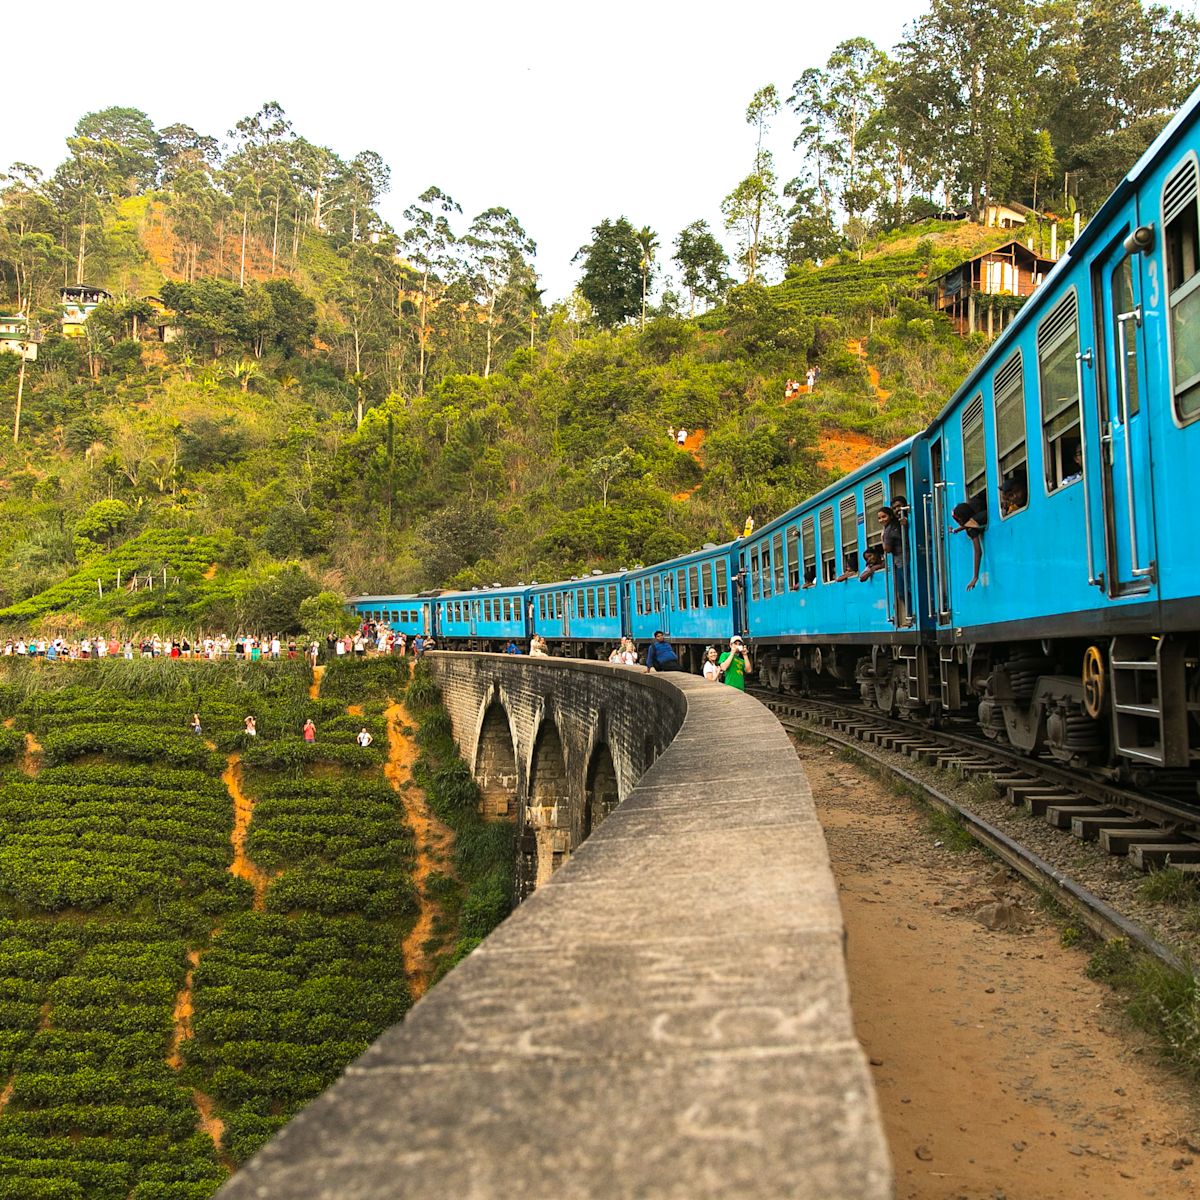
666	1015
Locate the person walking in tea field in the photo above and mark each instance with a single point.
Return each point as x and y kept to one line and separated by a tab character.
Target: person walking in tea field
310	731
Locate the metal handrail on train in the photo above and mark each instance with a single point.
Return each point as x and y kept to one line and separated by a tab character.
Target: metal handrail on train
1082	357
1123	319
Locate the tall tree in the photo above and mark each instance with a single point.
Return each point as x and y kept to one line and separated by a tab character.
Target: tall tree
703	264
752	210
648	241
498	253
612	272
428	245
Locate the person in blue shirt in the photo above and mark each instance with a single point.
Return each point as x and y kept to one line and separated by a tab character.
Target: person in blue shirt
660	656
512	648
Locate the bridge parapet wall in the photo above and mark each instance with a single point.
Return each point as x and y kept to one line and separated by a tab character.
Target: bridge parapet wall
666	1015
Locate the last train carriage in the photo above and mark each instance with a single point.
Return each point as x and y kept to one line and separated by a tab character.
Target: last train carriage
1070	446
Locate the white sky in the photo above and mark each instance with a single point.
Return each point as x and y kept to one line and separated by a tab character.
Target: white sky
564	113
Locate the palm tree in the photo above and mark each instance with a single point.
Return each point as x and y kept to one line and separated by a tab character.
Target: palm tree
648	240
532	295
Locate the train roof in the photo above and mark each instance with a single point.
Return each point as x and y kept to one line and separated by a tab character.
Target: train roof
407	598
1087	236
604	577
709	551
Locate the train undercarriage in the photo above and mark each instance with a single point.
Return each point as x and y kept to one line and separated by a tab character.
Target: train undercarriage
1120	704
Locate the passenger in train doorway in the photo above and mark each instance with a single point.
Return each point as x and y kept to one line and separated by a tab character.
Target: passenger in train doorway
660	656
894	547
735	664
971	518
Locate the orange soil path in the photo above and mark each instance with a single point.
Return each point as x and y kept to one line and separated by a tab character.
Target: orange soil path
32	762
182	1015
314	691
243	812
843	450
859	350
434	843
6	1094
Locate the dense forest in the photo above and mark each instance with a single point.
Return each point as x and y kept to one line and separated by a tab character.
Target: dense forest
284	396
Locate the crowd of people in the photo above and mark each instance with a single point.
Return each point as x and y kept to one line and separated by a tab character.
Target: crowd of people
220	647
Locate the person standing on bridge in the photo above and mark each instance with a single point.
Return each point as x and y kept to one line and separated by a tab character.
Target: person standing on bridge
660	656
735	664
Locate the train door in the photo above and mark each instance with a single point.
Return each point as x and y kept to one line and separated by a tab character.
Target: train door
935	522
1123	422
668	602
740	575
472	617
568	603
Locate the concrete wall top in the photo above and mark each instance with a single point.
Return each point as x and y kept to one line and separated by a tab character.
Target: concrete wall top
667	1017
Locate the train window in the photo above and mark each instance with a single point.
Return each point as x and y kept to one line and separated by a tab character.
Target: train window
809	538
681	594
1057	345
612	599
694	585
755	575
1180	221
872	503
591	603
706	575
848	518
657	593
974	460
478	609
602	602
487	609
793	558
766	569
637	597
1124	331
542	606
558	606
828	549
780	562
722	583
1012	454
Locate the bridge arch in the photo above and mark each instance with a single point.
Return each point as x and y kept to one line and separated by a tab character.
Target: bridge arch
601	790
545	841
496	761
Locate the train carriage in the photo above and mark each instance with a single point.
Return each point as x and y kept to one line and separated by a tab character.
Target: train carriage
407	614
692	598
822	597
482	619
583	616
1080	636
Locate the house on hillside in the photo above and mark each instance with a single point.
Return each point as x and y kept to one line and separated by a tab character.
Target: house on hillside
15	339
78	303
163	320
1012	215
977	287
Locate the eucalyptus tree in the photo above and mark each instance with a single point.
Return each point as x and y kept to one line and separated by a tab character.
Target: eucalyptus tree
752	211
497	252
428	244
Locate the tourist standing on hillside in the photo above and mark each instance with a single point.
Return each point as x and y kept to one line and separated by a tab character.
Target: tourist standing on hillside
251	727
196	728
310	731
364	738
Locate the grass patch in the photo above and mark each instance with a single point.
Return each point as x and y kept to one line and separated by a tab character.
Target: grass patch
1169	886
1158	999
947	828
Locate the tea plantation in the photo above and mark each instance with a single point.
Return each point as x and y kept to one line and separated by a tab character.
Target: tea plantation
164	1005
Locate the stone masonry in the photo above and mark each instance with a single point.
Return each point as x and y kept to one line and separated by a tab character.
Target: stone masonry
665	1017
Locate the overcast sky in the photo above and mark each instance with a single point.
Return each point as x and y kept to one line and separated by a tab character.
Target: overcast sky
565	113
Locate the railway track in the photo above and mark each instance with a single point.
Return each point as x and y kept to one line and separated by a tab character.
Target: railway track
1152	829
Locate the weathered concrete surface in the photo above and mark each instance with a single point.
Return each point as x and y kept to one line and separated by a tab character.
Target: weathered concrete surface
666	1016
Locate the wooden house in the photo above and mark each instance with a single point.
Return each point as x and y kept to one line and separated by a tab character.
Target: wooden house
78	303
1010	215
1009	270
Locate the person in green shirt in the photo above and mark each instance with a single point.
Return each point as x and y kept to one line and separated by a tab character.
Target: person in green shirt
734	664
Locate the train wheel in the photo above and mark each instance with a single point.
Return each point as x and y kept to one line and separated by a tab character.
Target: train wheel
1095	682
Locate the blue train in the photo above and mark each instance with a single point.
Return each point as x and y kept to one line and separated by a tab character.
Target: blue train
1028	559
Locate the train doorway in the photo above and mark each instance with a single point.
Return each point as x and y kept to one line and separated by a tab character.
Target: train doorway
935	522
1123	422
